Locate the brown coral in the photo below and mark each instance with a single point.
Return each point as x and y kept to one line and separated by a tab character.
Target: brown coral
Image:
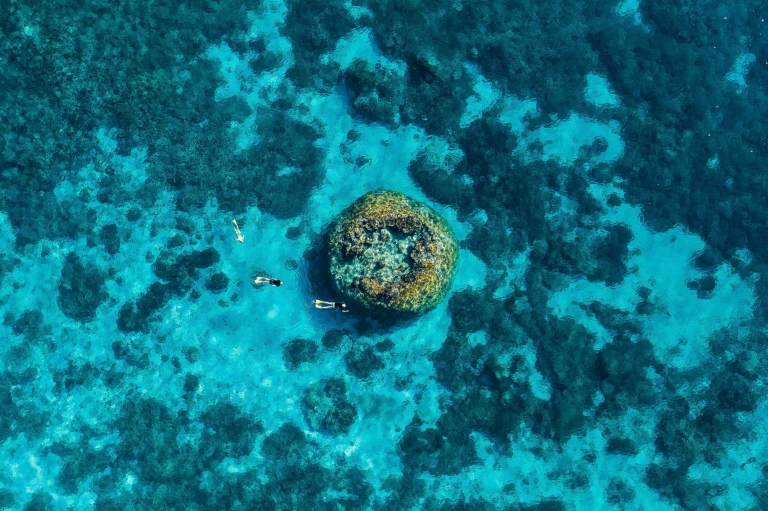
391	253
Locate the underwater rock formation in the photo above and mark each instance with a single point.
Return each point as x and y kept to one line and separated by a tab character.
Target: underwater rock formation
392	254
378	93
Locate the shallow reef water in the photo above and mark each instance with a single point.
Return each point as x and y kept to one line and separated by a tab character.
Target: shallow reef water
602	165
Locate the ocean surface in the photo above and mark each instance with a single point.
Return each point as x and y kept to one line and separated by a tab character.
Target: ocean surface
603	165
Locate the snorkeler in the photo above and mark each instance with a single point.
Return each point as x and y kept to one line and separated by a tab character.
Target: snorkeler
268	280
320	304
238	235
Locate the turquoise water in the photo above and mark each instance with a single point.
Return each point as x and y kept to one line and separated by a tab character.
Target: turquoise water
603	345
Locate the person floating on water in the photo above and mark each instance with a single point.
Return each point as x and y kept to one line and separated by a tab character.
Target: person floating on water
268	280
238	235
321	304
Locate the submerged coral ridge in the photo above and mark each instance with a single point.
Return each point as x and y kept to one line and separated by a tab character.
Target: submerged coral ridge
392	253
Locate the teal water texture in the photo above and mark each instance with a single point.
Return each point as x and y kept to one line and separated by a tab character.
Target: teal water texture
603	344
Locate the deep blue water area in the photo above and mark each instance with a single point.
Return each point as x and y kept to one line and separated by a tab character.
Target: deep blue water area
603	165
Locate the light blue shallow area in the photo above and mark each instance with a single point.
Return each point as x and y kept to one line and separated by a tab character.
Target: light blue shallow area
241	340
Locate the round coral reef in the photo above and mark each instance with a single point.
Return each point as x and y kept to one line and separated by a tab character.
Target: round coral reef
392	254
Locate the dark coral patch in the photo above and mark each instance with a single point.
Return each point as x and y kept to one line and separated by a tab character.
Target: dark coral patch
75	375
31	324
314	28
300	351
81	289
110	238
6	498
327	407
611	254
19	414
377	91
39	502
134	317
217	283
363	362
179	274
228	433
332	339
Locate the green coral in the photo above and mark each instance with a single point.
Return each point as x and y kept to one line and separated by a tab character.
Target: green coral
392	254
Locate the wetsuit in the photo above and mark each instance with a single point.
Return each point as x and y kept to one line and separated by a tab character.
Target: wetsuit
340	306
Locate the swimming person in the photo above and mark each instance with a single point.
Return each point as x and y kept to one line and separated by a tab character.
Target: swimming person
320	304
238	235
268	280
